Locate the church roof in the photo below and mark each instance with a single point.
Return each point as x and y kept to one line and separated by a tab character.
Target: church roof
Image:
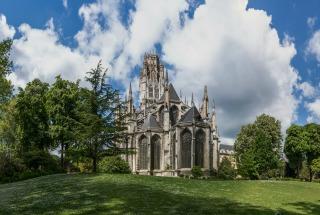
150	122
190	115
172	94
226	147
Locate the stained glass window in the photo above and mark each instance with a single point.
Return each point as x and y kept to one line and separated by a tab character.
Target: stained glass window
143	153
174	113
186	139
155	152
199	142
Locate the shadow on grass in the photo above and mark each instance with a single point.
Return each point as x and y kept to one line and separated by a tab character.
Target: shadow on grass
88	196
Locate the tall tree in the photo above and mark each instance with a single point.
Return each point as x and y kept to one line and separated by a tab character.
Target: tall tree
295	147
32	116
101	116
61	105
313	148
257	147
5	69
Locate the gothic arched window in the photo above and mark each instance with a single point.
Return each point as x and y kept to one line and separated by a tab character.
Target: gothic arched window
155	152
150	91
186	139
199	143
156	92
174	114
143	153
173	151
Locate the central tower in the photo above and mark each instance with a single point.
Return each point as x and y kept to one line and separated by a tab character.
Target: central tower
153	80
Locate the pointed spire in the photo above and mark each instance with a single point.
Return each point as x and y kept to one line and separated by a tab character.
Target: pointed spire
205	95
130	91
167	78
192	102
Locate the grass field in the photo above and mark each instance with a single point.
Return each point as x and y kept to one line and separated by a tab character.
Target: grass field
130	194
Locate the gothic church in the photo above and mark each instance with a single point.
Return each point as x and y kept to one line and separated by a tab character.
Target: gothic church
168	136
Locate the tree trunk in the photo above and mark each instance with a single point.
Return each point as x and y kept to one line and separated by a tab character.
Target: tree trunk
310	174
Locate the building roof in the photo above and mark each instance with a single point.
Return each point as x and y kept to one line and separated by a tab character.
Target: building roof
172	94
150	122
190	115
226	147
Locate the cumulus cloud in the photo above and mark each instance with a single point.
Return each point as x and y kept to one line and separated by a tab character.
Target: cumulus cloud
314	109
307	89
313	46
239	56
38	54
232	49
6	31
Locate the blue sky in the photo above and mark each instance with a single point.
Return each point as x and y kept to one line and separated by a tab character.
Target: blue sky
73	35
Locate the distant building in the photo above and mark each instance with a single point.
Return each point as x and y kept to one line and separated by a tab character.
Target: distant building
227	151
168	135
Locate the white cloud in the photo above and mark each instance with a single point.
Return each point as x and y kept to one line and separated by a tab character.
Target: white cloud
65	3
6	31
314	45
307	89
314	109
38	54
311	21
239	56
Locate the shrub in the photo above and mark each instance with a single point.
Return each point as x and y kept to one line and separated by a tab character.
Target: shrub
196	172
226	170
10	168
113	164
41	161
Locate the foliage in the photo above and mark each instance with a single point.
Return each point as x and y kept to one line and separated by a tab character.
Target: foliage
101	117
226	170
10	167
113	164
61	106
41	161
303	144
32	116
196	172
315	166
5	69
258	146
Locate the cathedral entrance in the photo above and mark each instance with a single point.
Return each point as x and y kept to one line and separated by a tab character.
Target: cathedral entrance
155	152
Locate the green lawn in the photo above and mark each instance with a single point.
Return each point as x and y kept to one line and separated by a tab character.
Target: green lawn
129	194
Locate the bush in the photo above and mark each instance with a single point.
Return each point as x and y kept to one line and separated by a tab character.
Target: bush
10	168
226	170
41	161
196	172
113	164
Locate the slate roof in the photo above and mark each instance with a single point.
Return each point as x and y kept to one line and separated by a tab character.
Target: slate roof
172	94
190	115
150	122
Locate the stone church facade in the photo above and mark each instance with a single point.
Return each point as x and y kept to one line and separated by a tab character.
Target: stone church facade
167	135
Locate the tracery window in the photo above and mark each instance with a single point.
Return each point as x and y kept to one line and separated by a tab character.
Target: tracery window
174	114
143	153
186	139
173	151
155	152
156	92
199	143
150	91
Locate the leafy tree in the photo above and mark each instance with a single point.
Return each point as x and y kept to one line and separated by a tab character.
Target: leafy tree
5	69
61	106
313	146
295	146
226	170
101	117
32	117
257	147
315	166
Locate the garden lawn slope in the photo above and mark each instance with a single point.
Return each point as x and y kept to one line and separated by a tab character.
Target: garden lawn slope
130	194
